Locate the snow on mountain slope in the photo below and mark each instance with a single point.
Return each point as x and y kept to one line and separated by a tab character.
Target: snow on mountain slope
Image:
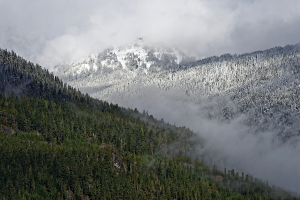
131	57
264	85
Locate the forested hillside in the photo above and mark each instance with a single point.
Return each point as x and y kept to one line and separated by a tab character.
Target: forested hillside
57	143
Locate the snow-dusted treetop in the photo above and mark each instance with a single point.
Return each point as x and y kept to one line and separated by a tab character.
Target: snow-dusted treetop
137	55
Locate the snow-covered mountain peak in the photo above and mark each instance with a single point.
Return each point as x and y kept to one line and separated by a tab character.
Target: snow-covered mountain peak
137	56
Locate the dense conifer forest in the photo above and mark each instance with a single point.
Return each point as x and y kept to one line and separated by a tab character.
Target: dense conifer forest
57	143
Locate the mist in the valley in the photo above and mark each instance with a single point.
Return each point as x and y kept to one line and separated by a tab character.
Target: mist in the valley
227	144
51	32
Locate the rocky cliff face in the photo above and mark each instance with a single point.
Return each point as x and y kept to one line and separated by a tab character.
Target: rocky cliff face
7	130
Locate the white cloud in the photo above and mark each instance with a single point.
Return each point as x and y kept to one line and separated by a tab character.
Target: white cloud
56	31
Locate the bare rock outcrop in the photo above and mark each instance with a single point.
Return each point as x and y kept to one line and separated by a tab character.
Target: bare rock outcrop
7	130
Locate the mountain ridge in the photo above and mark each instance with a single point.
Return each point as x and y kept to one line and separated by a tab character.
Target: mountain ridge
258	84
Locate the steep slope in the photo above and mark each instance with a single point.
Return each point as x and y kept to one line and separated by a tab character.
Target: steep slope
264	85
19	77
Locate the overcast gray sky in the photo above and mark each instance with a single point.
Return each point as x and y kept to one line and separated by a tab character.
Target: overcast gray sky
49	32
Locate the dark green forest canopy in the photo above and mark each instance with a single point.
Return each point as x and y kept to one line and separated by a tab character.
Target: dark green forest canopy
57	143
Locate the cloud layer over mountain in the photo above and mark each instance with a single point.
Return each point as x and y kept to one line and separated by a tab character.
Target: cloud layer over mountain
56	31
